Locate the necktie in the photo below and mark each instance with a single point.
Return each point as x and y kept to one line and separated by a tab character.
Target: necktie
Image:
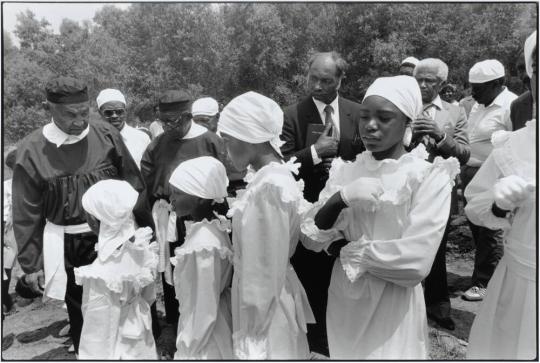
426	140
328	110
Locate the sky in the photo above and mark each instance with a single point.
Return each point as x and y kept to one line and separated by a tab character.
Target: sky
52	12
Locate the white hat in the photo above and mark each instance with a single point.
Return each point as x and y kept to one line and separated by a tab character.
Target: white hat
486	71
410	60
205	106
530	45
109	95
253	118
402	91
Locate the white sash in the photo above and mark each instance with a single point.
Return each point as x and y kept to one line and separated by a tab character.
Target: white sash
53	257
165	221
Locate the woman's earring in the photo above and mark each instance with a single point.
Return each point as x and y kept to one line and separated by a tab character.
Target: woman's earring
407	136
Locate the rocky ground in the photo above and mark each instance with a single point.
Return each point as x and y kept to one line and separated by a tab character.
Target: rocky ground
34	326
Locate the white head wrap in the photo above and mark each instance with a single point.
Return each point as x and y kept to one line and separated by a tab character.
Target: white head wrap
253	118
530	45
411	60
205	106
204	177
486	71
111	202
402	91
109	95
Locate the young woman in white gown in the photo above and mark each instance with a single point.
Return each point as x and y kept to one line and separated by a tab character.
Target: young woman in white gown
502	195
203	264
118	287
269	305
391	208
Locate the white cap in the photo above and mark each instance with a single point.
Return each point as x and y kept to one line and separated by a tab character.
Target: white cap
411	60
486	71
109	95
205	106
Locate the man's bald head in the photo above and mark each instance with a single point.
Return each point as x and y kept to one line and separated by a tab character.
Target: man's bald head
324	76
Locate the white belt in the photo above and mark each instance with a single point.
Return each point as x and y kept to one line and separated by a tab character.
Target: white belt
53	257
165	221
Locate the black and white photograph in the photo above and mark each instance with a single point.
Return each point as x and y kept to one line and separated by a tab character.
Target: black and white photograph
269	181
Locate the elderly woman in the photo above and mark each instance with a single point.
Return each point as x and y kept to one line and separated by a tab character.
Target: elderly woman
502	196
391	208
269	305
203	264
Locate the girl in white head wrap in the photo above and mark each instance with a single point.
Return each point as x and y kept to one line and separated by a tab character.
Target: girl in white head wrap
502	195
270	308
203	264
118	287
386	211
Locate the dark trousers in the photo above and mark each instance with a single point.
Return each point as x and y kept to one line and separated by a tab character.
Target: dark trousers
169	296
6	298
436	283
314	271
488	242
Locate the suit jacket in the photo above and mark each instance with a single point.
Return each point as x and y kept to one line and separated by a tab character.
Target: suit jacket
521	110
296	120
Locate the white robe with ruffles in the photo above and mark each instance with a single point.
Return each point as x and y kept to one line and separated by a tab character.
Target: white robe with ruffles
376	306
270	309
202	276
117	295
505	327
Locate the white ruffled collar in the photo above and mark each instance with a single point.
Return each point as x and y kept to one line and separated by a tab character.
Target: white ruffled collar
221	223
372	164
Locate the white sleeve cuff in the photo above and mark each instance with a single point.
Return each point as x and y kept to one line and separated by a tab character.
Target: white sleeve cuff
314	156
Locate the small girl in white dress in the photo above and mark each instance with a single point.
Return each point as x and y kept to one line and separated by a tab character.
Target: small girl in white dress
203	264
118	287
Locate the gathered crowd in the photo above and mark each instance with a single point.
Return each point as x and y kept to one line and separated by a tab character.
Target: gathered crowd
279	233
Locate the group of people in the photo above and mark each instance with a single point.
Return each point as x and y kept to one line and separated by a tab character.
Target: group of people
277	233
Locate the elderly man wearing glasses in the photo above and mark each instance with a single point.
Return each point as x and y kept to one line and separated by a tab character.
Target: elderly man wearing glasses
112	108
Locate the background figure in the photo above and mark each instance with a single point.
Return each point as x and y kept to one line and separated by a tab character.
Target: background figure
449	94
156	126
316	130
442	128
112	108
9	246
490	113
205	112
521	109
503	195
407	66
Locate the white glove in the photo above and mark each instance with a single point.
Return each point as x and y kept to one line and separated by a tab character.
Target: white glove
362	190
143	236
511	191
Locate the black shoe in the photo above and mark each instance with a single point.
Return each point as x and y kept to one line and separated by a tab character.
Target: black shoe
444	321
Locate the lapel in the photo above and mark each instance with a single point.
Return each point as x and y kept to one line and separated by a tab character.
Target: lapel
346	126
308	112
441	116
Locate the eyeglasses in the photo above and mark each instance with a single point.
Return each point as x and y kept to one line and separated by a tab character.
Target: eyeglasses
111	113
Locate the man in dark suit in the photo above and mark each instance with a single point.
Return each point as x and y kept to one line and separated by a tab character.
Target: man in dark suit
443	129
323	106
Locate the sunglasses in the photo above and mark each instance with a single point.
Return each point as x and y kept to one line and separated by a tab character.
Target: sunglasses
111	113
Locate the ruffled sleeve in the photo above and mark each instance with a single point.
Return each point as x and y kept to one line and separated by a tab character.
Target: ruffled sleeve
479	195
407	260
261	259
312	237
198	277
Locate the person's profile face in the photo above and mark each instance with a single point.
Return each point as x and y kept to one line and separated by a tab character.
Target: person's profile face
184	204
238	151
483	93
381	125
114	112
322	81
176	122
71	118
429	83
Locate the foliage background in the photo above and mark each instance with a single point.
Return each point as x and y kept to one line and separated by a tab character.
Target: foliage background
225	49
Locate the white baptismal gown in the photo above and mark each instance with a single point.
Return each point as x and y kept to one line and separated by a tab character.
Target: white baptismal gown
202	276
505	327
270	309
376	306
117	295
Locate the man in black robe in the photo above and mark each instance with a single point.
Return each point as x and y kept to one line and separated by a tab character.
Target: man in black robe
182	140
55	166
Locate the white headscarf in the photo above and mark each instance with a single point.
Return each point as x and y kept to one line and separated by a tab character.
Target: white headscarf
253	118
110	95
402	91
111	202
204	177
530	44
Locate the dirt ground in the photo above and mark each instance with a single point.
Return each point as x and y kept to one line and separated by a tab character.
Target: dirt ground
34	326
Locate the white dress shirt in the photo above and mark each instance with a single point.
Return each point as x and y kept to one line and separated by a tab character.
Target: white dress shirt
484	121
136	142
58	137
335	117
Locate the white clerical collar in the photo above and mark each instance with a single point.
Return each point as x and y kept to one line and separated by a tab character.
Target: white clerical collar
58	137
321	105
194	131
